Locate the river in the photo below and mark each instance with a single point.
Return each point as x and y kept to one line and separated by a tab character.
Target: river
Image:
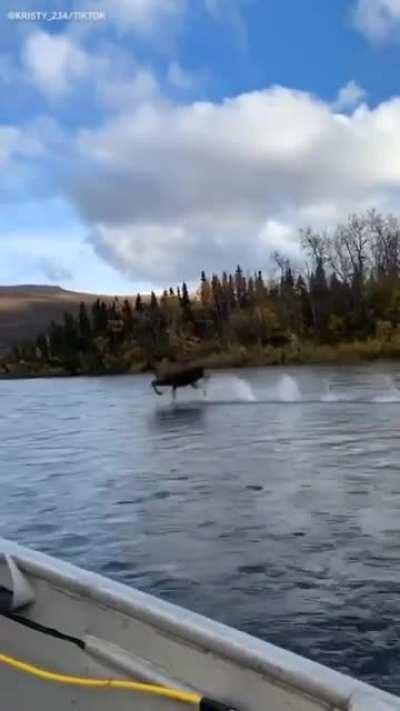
272	504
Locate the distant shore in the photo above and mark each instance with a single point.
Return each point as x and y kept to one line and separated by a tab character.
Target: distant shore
236	357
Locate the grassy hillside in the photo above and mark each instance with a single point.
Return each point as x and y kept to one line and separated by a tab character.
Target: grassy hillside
26	310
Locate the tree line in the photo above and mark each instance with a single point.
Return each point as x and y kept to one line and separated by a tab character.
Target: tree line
346	288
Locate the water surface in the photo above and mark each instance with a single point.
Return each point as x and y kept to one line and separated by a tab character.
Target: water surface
272	505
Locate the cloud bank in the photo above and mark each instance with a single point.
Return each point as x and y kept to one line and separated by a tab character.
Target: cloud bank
165	189
179	188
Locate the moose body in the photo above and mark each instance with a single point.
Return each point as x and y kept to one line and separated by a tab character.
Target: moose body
179	379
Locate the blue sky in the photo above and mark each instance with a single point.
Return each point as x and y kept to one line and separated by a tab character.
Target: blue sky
174	135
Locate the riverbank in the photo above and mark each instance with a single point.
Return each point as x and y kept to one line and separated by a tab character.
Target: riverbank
305	353
233	357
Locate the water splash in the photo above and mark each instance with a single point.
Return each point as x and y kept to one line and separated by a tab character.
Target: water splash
224	388
392	393
287	389
331	396
229	387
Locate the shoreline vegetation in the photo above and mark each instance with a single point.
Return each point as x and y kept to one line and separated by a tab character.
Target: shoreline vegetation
342	307
304	354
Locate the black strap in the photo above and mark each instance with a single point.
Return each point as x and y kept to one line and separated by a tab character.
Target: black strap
45	630
211	705
6	597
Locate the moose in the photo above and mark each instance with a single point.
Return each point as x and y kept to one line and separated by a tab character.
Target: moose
179	379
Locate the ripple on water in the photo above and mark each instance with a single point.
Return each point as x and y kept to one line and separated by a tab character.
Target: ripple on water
279	518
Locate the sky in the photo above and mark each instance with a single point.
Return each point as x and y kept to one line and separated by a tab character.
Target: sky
142	141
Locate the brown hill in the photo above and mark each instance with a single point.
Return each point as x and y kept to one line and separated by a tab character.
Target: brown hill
27	310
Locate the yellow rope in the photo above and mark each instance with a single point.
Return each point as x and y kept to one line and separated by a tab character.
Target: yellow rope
176	694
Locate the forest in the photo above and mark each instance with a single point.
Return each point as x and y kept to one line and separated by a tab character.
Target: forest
340	301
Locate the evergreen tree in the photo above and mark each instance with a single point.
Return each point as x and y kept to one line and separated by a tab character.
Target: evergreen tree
231	293
186	304
55	339
42	345
288	281
85	329
139	304
260	287
205	290
251	292
240	285
127	318
70	334
319	298
153	302
164	301
97	317
305	303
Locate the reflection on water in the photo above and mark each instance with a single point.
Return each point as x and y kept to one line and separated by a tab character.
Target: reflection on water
177	416
271	504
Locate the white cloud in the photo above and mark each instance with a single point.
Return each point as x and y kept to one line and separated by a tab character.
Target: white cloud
8	72
128	90
144	17
150	17
349	96
58	66
9	140
179	77
15	143
230	12
53	271
53	63
207	185
379	20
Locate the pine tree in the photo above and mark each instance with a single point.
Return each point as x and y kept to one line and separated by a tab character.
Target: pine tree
186	304
305	303
319	298
164	300
96	317
70	334
153	302
112	311
205	290
288	281
139	304
260	287
55	339
251	292
85	328
217	303
103	317
42	345
240	286
127	317
231	293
